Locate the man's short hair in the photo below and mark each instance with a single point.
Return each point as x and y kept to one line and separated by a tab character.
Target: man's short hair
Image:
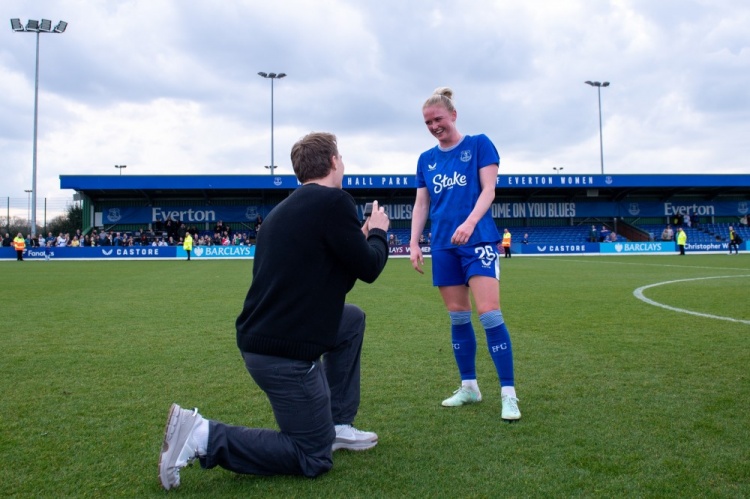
311	156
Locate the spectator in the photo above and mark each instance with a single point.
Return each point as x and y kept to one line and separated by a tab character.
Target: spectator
62	241
694	220
7	240
613	237
603	234
667	234
525	239
593	234
734	241
170	227
75	243
422	240
392	241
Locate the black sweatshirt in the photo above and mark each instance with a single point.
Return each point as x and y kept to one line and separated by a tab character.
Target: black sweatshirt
310	252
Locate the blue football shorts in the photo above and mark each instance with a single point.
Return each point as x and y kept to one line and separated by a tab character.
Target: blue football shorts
454	266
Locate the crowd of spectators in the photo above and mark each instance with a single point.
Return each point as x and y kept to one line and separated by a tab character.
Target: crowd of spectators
169	233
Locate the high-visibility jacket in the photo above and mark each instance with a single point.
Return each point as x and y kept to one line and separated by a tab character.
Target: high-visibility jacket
506	240
19	243
681	238
187	245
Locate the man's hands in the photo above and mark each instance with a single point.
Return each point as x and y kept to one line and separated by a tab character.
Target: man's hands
378	220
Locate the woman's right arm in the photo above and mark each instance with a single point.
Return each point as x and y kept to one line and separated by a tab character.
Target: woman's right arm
418	221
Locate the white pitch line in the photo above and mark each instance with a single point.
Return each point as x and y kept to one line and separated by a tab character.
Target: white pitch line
638	293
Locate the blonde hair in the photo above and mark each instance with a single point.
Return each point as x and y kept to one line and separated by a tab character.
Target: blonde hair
442	96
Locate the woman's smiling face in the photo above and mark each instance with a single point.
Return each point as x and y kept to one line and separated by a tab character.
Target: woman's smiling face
442	124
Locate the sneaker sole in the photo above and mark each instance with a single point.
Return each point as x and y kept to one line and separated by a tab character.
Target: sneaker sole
357	446
167	450
446	403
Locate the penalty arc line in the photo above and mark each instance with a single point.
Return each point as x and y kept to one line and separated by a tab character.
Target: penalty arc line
638	293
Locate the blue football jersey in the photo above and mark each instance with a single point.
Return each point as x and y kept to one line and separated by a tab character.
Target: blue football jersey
452	179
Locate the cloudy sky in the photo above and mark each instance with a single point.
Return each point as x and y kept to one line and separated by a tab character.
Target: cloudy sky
172	86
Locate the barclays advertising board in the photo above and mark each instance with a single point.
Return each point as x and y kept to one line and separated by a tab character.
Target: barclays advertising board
204	252
638	247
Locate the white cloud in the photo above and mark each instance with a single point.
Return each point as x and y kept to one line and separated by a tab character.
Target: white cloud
167	86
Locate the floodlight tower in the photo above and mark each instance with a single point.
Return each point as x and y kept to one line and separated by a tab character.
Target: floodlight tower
599	86
34	26
272	76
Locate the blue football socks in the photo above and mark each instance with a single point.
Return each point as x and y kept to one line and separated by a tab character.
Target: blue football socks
464	344
498	343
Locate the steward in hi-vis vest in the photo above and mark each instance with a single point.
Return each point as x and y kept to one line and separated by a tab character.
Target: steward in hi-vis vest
19	243
506	243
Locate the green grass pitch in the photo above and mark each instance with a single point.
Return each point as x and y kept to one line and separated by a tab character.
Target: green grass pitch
620	397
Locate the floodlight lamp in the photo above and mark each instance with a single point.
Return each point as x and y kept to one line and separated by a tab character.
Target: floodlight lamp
32	25
264	75
605	84
272	75
60	28
16	24
281	75
46	25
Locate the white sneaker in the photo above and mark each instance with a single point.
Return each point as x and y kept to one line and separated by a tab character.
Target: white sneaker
179	447
350	438
510	410
463	396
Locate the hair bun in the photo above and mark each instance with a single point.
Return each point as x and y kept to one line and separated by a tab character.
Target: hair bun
444	91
